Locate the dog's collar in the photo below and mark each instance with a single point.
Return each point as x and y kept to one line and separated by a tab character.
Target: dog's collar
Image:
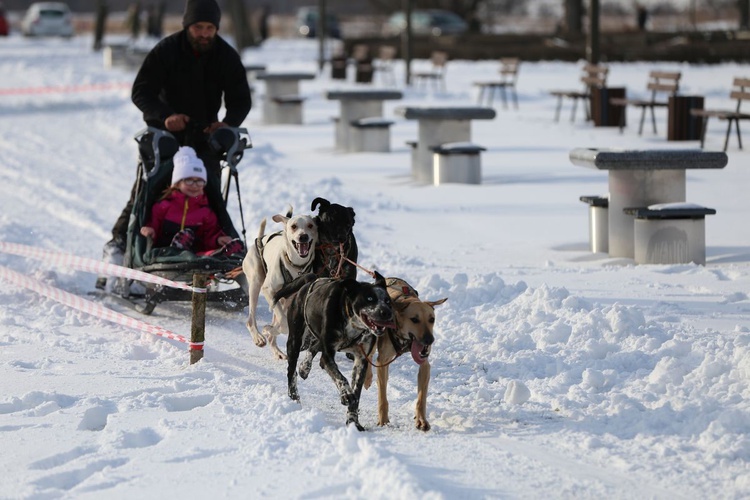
287	275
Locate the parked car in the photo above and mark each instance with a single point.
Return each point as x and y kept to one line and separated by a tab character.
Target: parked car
4	28
307	23
434	22
47	19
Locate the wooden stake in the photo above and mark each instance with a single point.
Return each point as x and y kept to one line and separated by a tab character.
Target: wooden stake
198	326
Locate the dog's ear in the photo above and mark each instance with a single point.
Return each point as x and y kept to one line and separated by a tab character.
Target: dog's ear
280	218
379	280
434	303
320	201
289	211
351	212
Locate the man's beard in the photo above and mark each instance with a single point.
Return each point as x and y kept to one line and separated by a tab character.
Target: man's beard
200	47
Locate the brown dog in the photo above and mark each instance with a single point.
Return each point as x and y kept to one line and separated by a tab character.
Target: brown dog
414	322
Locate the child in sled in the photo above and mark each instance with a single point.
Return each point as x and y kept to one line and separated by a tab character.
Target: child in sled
182	218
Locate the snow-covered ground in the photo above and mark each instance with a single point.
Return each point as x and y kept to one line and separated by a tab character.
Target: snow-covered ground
638	377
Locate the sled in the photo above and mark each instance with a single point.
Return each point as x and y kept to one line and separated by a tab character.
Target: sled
156	149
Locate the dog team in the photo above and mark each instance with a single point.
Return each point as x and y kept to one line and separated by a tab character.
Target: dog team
307	275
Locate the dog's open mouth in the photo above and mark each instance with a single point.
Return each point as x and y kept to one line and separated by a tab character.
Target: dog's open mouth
302	247
377	327
419	351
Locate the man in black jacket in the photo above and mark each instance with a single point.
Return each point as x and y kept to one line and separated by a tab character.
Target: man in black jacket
182	83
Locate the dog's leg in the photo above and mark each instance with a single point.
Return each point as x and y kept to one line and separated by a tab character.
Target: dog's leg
271	333
358	380
383	418
306	365
293	349
423	381
252	326
328	363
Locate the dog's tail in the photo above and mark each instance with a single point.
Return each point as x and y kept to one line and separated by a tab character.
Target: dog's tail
293	287
262	229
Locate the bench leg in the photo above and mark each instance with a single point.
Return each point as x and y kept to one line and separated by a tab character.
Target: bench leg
515	96
573	111
643	116
587	107
559	106
480	98
729	131
622	117
504	96
739	137
704	126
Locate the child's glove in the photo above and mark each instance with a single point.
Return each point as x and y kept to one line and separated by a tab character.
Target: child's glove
230	248
183	239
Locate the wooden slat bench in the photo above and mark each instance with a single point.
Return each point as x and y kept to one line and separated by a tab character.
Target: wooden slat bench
436	75
508	77
593	76
660	83
740	92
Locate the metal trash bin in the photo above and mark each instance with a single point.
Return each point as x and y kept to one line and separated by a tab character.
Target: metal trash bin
598	222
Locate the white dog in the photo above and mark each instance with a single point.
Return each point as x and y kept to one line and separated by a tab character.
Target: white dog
277	259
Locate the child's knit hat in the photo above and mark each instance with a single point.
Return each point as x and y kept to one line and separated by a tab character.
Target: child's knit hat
186	165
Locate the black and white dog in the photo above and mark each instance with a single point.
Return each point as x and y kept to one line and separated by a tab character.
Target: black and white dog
335	229
335	315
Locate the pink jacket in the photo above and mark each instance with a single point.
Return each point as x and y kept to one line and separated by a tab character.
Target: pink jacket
167	218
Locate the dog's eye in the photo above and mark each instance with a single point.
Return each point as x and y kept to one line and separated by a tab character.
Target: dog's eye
415	321
294	227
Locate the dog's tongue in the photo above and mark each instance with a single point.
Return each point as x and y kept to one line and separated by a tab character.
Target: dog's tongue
304	249
416	349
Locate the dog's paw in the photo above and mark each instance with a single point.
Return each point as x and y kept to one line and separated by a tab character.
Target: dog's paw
383	421
422	424
280	355
352	419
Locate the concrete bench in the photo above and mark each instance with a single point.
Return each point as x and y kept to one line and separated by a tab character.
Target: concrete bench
670	233
123	55
358	104
282	103
370	135
438	126
457	162
598	222
641	178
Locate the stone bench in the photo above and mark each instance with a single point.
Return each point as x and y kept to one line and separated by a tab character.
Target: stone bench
123	55
640	178
370	135
282	103
457	162
438	126
670	233
598	222
355	105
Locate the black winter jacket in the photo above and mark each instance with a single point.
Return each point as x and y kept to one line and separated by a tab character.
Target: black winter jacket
173	79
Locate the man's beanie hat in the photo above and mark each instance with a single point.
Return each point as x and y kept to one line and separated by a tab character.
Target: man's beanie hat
201	11
187	165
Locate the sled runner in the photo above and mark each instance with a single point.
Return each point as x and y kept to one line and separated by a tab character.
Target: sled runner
156	148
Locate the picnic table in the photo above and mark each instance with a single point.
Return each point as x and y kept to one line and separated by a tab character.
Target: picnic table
357	104
640	178
437	126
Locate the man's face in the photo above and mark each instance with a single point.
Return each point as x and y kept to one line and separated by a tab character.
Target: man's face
201	36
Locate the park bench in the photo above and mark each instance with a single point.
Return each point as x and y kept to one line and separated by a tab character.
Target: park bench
436	75
593	76
670	233
740	92
282	103
508	77
660	83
